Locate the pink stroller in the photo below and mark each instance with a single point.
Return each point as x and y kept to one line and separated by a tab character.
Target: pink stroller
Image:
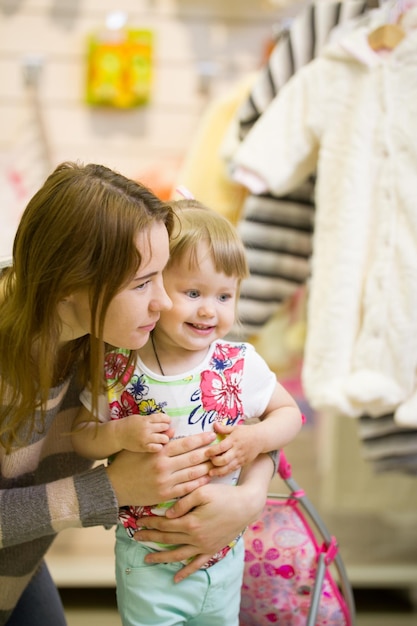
288	562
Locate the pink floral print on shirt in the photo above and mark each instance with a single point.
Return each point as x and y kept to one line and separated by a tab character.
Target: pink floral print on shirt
221	385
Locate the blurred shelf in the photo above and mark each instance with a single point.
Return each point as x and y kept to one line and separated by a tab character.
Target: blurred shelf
84	558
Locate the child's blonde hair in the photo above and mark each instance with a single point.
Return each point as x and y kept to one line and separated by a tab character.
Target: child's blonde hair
197	224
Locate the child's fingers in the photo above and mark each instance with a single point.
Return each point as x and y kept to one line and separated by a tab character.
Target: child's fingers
218	448
222	459
158	427
157	443
154	447
218	427
224	470
159	417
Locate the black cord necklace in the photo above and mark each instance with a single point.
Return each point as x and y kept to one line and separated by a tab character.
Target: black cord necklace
156	355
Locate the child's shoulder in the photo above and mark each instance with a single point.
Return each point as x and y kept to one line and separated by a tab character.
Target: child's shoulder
225	350
233	344
232	348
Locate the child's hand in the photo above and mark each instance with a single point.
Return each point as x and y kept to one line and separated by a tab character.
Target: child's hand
236	449
144	433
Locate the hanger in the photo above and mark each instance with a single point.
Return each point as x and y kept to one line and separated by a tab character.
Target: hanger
388	36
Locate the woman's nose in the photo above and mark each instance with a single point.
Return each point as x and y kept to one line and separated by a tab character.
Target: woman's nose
162	302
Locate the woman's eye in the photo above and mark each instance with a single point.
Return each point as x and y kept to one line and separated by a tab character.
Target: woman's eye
142	285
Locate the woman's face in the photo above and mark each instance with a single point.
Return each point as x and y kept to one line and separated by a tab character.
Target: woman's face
134	311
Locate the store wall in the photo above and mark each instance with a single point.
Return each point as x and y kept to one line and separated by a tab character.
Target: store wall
201	47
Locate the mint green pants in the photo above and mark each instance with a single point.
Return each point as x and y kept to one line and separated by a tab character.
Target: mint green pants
148	596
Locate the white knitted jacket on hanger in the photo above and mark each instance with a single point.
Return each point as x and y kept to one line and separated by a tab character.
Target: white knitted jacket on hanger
351	115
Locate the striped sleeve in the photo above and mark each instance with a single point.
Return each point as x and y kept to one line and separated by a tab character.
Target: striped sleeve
29	513
298	43
278	231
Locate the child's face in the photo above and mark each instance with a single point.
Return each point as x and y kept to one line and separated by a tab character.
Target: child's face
204	303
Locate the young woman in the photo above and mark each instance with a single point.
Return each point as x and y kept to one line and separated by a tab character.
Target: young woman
86	272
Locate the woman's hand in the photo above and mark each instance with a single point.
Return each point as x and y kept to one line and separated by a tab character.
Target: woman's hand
176	470
209	518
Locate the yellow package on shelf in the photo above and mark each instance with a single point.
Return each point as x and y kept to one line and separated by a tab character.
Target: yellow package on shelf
119	72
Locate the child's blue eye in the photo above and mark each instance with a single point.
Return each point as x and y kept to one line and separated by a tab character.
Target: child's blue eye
224	297
193	293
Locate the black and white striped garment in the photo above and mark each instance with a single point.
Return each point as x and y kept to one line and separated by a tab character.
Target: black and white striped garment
388	446
278	231
277	234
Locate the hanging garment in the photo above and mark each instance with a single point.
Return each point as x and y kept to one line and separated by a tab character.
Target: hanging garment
277	231
277	234
297	44
387	446
350	116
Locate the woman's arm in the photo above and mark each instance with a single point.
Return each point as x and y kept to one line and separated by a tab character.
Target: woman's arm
91	497
209	518
80	500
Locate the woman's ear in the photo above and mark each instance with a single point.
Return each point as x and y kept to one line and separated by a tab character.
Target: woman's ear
65	311
67	299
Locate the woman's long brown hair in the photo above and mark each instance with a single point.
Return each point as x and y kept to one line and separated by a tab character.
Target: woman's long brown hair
77	232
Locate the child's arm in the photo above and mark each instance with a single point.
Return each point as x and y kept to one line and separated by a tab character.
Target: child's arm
279	424
137	433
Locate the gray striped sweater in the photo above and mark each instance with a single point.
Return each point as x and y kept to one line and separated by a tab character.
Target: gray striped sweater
44	488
